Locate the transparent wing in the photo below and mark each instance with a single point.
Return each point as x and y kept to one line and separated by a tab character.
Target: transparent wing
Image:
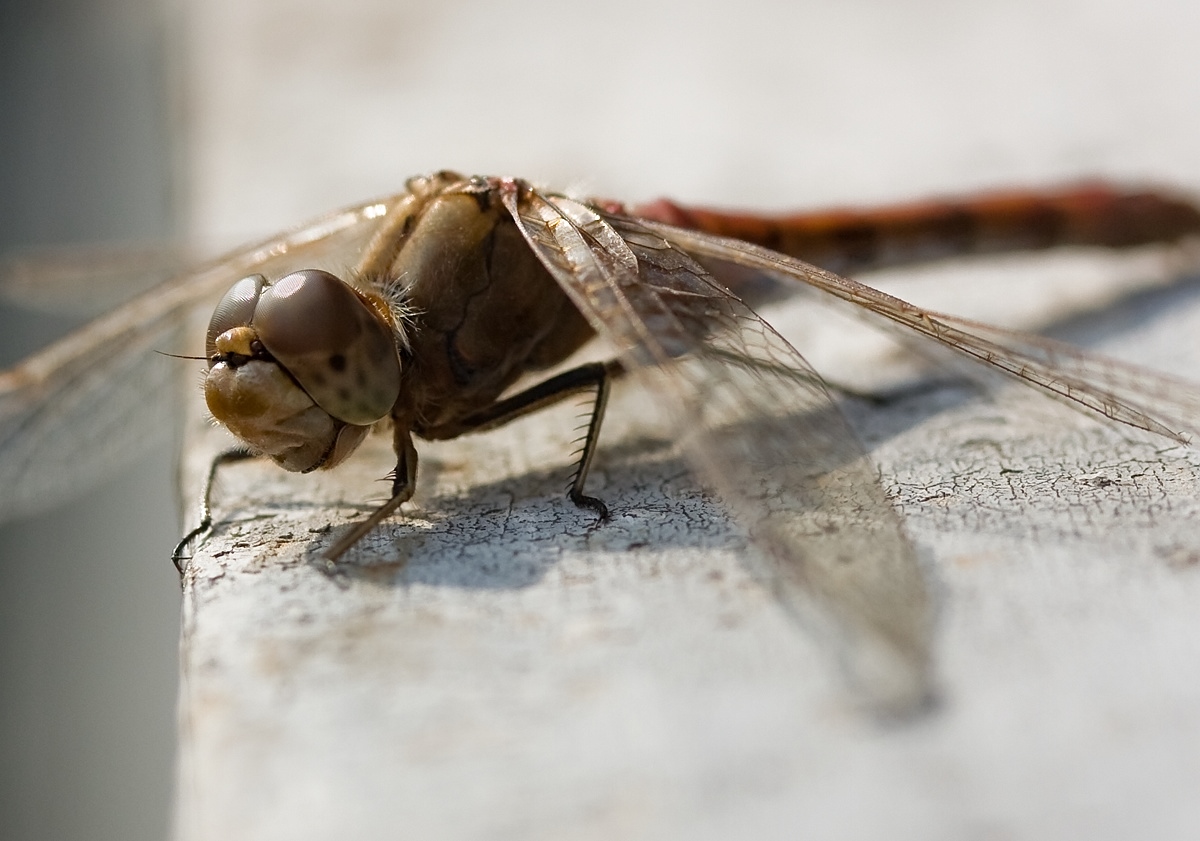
759	423
1121	392
87	404
86	280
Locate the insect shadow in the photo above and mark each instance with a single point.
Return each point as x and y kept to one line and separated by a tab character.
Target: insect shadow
1127	314
509	533
952	380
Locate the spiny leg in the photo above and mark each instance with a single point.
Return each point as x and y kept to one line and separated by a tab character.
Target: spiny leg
590	442
403	485
598	375
230	456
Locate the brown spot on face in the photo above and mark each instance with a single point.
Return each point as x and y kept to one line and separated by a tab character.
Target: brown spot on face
337	362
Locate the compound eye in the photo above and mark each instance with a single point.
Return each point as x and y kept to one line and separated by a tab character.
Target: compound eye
236	309
333	343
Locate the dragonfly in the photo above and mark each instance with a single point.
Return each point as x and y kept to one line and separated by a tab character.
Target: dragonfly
456	305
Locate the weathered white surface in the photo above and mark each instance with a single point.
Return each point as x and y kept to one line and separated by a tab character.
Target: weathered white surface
492	665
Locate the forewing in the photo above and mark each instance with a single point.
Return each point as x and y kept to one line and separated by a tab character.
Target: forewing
1115	390
84	406
759	423
86	280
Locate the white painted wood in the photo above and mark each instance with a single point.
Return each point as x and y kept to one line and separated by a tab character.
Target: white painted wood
491	665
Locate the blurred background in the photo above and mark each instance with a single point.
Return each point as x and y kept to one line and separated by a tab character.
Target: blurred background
152	119
89	604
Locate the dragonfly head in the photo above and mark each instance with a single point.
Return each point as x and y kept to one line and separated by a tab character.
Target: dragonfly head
300	369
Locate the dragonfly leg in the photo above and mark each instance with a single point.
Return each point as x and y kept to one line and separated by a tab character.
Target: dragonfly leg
596	375
590	441
230	456
403	484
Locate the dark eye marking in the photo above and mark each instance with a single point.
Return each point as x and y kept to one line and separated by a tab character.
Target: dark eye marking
337	362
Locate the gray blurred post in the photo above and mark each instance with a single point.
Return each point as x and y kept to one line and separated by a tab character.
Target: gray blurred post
88	607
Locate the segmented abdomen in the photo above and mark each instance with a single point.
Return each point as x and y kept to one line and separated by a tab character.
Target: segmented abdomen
847	241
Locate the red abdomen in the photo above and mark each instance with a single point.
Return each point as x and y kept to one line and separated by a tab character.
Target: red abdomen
848	241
